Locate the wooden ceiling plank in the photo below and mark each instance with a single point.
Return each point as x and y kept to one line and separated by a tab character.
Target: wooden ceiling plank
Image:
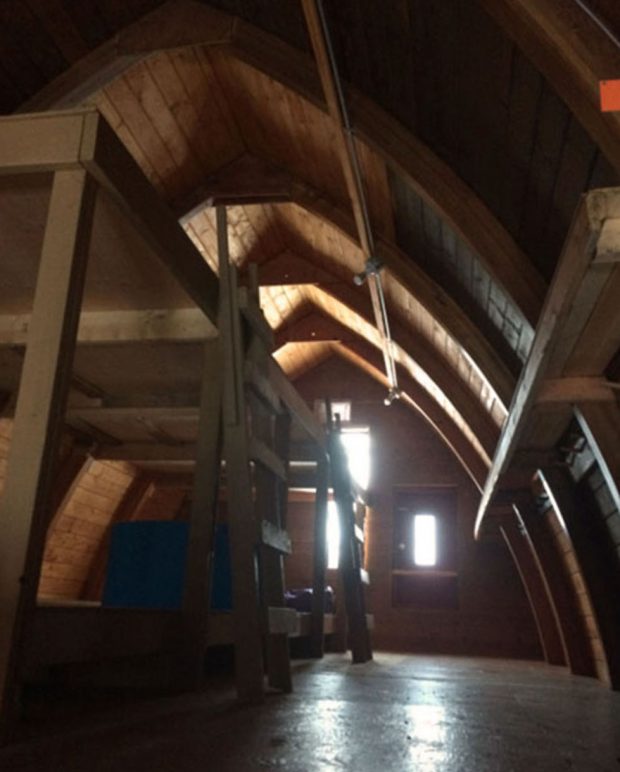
127	104
188	20
573	53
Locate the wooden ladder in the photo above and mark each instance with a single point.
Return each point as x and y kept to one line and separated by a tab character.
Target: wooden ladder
256	429
352	573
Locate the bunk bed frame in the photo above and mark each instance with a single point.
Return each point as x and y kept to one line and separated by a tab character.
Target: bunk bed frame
83	161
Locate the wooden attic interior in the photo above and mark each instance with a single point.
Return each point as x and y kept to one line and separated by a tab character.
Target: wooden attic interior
161	152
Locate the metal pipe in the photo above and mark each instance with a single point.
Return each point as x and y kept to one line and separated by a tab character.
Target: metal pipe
372	268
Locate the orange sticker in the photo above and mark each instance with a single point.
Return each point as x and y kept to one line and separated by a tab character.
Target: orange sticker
610	95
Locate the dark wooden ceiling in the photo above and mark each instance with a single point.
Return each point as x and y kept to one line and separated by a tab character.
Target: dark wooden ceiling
447	80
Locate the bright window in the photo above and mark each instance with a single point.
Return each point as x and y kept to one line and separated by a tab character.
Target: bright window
357	448
333	536
425	540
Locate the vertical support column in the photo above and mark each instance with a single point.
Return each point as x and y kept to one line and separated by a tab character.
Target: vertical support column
320	557
574	634
521	550
596	560
249	666
271	502
197	594
39	416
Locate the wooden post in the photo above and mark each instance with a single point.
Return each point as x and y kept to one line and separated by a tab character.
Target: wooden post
349	564
320	558
561	591
596	558
39	416
197	596
520	547
271	501
249	667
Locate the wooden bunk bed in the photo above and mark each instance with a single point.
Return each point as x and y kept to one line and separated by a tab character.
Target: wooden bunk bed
123	286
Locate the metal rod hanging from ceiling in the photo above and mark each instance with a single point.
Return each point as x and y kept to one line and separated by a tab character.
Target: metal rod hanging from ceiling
318	30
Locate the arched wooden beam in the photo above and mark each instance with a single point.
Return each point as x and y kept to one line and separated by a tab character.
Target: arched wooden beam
573	53
422	353
319	324
180	23
561	590
522	552
363	355
290	268
435	299
597	559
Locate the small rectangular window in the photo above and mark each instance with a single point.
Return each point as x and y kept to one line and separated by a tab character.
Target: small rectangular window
425	540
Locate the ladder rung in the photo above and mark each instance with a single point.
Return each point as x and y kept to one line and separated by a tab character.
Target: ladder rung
359	534
276	538
364	576
254	317
283	621
264	455
261	387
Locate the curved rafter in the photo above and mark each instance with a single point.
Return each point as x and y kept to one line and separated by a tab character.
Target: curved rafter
351	329
363	357
406	272
331	292
333	329
184	23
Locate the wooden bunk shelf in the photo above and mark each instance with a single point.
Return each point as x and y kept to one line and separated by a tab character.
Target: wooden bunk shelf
576	338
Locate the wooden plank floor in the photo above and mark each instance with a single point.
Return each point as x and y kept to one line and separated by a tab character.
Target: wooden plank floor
395	713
